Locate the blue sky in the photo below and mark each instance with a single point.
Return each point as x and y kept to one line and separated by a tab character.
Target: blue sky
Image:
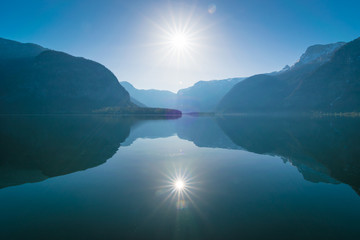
240	38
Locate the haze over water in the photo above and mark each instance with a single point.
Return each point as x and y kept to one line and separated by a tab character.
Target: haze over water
240	178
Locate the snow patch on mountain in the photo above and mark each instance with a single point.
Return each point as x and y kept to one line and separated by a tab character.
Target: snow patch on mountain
318	53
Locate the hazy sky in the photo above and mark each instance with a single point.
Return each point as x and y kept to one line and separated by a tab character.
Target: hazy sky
224	38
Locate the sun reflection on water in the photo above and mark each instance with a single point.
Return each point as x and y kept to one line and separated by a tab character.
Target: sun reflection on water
179	188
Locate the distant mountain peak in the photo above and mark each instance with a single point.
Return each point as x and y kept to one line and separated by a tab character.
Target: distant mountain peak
150	97
319	53
287	67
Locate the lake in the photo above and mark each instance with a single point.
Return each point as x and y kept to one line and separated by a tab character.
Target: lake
107	177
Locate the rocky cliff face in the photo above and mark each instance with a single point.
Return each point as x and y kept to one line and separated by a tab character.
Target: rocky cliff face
318	53
334	86
325	79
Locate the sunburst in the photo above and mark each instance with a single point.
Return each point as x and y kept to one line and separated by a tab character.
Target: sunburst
180	37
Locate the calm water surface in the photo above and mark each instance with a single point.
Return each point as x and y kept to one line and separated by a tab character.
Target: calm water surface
115	178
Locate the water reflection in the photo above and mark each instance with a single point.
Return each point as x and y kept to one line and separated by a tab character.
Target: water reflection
36	148
224	193
179	187
322	149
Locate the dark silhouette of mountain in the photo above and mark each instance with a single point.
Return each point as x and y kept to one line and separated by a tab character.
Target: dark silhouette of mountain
256	94
54	82
36	148
151	98
204	96
264	92
14	50
323	75
323	149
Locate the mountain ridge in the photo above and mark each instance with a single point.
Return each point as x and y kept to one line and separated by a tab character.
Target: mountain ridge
10	49
319	83
151	97
56	82
203	96
37	80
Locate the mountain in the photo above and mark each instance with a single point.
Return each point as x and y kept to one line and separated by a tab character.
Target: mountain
334	86
136	102
14	50
151	98
318	53
324	79
203	96
37	80
263	92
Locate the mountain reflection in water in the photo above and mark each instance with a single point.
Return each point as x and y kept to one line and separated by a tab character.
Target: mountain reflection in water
35	148
111	177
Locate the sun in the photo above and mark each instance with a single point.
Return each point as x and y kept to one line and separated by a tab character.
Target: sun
179	38
179	185
179	41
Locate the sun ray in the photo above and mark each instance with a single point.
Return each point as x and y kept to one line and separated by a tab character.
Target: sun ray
179	39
